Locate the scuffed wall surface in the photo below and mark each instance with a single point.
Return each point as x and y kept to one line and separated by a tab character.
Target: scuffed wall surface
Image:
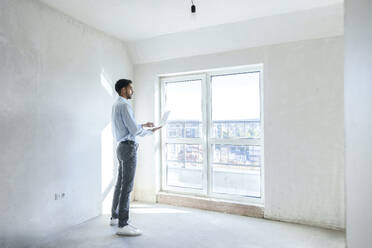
304	140
53	109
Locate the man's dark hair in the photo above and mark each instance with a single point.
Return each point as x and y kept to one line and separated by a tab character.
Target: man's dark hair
121	83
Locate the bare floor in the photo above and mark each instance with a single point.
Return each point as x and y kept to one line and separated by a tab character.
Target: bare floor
166	226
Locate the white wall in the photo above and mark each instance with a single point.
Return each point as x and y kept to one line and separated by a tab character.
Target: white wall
303	111
301	25
358	122
53	109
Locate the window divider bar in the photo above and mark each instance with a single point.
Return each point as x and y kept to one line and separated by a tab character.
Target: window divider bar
184	141
207	106
243	142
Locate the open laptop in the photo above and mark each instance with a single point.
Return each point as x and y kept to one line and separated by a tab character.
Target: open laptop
164	119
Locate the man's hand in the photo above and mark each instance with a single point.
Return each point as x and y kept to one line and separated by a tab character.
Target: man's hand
148	124
155	129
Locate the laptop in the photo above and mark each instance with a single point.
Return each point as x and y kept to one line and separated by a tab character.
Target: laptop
164	119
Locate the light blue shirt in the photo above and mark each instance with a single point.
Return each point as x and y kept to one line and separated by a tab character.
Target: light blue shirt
124	126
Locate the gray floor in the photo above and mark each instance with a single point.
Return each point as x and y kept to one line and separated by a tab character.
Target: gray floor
174	227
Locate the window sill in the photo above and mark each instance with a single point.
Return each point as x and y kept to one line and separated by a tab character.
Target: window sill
211	204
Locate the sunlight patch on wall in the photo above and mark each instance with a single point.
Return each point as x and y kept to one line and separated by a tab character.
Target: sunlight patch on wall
106	82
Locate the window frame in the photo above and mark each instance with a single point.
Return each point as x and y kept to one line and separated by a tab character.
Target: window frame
199	141
206	139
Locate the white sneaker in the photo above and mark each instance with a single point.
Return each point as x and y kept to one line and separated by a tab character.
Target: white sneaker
128	230
114	222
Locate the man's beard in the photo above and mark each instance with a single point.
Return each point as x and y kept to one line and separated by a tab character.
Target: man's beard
128	95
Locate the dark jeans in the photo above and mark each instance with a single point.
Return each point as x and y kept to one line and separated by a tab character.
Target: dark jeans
127	156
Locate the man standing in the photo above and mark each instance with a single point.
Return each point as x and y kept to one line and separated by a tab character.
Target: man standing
125	130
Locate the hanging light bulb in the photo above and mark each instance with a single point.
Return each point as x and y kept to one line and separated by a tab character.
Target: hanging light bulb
193	7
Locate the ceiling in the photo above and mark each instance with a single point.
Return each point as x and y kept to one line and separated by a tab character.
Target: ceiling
132	20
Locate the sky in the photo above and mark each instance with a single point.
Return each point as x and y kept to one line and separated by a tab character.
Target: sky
234	97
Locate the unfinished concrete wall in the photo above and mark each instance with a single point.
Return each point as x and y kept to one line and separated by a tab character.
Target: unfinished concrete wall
358	122
55	104
303	112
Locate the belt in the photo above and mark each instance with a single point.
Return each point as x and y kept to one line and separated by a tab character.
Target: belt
130	142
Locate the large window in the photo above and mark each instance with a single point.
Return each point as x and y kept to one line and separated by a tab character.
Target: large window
213	143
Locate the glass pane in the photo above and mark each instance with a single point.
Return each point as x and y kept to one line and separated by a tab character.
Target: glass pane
236	170
184	165
183	99
236	106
